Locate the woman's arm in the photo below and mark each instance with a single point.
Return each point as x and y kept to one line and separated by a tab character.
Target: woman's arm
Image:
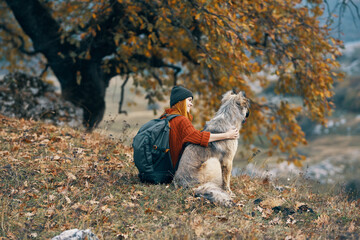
231	134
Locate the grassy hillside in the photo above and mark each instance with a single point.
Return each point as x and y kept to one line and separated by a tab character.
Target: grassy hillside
54	179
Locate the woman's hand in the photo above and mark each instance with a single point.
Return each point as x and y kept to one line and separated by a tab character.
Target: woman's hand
232	133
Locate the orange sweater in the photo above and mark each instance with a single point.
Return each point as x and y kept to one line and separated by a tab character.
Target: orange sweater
181	132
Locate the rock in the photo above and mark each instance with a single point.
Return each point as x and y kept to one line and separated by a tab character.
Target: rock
76	234
286	211
352	188
28	97
258	201
304	208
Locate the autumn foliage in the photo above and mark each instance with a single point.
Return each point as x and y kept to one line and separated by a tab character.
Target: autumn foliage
208	46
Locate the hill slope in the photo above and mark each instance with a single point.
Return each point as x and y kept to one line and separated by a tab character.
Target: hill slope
54	179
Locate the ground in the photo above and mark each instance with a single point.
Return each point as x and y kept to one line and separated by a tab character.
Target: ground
56	178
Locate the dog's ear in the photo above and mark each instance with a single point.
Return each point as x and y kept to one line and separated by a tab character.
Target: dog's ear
242	93
226	96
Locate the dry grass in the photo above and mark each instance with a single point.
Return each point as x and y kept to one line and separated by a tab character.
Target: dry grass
55	179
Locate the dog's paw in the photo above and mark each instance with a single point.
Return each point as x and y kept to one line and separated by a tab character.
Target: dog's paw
231	194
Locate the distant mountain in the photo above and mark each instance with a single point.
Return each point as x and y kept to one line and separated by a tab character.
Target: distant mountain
350	60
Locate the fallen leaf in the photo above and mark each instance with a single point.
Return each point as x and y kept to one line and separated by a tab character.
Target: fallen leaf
4	153
291	220
267	213
275	221
10	235
197	225
128	204
351	227
15	148
78	206
70	176
248	216
94	202
50	212
106	209
322	220
222	218
148	211
29	215
51	197
259	209
44	142
139	193
67	199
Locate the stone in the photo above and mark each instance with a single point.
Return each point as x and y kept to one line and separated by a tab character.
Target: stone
76	234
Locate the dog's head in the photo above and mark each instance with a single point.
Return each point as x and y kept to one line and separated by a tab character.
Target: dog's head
239	101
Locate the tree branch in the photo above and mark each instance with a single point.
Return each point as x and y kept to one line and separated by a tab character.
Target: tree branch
157	78
37	23
356	8
122	95
103	43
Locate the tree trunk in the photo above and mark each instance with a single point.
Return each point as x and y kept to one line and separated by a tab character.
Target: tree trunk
88	92
82	82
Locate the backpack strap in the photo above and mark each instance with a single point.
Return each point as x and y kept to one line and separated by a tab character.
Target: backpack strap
168	117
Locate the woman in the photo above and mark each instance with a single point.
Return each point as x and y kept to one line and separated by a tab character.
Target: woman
182	131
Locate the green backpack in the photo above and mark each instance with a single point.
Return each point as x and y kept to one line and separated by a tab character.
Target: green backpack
151	151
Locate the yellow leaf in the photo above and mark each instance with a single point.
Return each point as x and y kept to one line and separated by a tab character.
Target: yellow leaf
231	79
297	163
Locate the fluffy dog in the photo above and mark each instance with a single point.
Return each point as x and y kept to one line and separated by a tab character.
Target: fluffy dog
208	169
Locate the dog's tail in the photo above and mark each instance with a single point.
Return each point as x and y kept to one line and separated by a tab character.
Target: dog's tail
214	194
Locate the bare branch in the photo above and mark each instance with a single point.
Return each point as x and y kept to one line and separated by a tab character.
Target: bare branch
122	95
157	78
352	14
176	71
341	11
328	9
356	8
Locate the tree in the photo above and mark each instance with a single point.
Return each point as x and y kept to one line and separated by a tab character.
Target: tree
209	46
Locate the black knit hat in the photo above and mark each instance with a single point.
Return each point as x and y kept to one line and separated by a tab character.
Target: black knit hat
179	93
